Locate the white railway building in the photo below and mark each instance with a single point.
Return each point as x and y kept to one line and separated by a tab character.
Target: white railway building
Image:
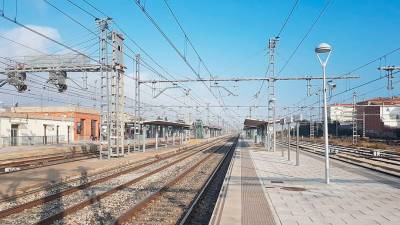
23	129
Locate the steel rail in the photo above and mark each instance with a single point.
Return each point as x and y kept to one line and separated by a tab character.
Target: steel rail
48	198
96	198
184	218
43	162
311	148
126	217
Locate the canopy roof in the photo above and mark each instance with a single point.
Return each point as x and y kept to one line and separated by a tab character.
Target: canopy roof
166	123
253	123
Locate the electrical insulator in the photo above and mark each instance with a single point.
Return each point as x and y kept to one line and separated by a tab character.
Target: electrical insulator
59	79
17	79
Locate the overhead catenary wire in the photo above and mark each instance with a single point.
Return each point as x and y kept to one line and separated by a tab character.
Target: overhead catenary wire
134	42
321	13
361	67
287	18
169	41
346	91
140	48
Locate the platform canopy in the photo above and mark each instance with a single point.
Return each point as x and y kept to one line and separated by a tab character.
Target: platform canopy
214	128
254	123
166	123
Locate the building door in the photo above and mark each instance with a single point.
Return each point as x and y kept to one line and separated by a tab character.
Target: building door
93	128
68	137
14	134
57	137
44	134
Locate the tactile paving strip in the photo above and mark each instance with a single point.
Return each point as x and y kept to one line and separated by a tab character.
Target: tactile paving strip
255	208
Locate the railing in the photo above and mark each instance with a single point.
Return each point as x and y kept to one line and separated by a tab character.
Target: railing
31	140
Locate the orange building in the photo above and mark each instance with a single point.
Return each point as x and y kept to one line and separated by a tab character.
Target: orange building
86	121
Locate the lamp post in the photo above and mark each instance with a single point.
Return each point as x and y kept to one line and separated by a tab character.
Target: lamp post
325	49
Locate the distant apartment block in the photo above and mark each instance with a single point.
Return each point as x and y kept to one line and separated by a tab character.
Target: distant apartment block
340	113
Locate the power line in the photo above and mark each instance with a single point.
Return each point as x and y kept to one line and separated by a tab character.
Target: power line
134	42
47	37
186	36
362	66
287	18
350	89
305	36
169	41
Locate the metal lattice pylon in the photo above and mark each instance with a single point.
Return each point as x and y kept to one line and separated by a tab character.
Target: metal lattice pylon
112	93
312	128
271	130
354	120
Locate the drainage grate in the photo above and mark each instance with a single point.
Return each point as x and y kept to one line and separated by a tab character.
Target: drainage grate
276	182
293	188
270	187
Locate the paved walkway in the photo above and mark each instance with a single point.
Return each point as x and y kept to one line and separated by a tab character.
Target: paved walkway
297	194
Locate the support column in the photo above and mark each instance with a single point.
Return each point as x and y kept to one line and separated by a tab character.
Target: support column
181	136
297	144
186	136
156	137
288	157
173	136
283	139
144	137
166	135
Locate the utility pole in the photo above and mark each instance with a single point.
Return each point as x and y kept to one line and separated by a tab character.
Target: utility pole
389	71
363	119
297	143
271	94
208	120
104	84
137	99
117	100
250	111
354	122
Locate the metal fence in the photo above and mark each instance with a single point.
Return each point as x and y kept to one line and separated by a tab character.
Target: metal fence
31	140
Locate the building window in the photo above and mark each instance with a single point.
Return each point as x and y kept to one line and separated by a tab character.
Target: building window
80	126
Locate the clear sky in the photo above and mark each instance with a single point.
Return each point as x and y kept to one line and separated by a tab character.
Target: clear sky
231	37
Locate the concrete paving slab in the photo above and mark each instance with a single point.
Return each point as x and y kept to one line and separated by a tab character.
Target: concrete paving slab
298	194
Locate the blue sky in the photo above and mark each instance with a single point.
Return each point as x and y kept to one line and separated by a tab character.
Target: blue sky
231	37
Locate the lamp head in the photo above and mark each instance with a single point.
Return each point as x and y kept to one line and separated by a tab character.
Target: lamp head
323	48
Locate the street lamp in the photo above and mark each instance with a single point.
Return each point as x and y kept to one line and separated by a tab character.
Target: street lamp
325	49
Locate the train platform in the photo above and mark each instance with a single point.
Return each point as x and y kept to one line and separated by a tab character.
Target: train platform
265	188
12	152
24	181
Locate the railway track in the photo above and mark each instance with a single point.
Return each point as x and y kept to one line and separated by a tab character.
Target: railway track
66	204
77	181
41	161
174	202
379	160
33	162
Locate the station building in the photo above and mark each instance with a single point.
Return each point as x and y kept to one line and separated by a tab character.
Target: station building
86	120
24	129
340	113
379	117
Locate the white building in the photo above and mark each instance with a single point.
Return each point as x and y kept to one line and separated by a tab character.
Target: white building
390	115
21	129
342	113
